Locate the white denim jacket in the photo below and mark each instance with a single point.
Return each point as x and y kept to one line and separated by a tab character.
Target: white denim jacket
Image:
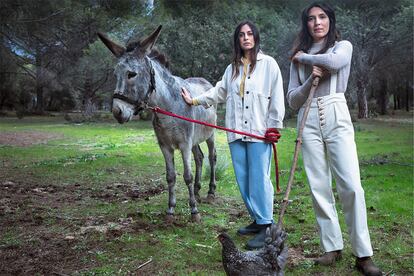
263	105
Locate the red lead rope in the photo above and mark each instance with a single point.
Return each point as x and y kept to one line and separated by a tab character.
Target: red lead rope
162	111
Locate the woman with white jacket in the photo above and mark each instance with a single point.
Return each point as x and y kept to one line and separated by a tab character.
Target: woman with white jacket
252	89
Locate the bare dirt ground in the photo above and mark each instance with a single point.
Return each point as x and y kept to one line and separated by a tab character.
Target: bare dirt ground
26	138
41	241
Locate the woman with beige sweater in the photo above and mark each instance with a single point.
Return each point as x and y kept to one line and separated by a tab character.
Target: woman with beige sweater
328	138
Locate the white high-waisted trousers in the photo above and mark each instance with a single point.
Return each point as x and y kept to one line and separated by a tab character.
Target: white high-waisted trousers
329	147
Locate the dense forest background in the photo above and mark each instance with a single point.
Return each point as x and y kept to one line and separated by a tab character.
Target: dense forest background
52	60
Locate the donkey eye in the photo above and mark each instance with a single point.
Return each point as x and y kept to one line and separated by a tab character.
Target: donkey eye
131	74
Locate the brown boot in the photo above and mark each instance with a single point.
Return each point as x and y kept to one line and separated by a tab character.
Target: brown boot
329	258
367	267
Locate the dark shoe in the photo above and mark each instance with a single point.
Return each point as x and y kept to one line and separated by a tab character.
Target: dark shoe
367	267
252	228
259	240
329	258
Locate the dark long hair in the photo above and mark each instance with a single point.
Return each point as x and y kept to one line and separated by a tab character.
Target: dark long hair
304	40
238	52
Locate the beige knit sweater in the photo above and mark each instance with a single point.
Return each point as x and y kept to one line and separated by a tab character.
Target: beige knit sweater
337	61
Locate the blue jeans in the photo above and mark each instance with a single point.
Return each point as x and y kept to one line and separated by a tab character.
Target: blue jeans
251	163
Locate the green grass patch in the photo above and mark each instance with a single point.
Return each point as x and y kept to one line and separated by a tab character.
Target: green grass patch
98	191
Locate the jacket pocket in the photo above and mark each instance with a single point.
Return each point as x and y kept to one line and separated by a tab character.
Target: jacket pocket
260	111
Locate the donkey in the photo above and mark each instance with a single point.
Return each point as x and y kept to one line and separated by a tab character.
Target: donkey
143	80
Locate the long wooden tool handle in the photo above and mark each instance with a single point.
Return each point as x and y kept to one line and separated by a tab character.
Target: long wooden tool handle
296	153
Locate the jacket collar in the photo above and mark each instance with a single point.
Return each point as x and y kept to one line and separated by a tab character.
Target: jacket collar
260	56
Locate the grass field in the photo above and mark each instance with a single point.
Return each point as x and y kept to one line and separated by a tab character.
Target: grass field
90	199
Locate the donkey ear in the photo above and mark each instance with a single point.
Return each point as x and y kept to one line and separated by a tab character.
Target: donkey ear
116	49
147	43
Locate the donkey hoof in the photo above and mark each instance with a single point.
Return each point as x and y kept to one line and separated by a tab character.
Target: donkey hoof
169	218
196	218
211	198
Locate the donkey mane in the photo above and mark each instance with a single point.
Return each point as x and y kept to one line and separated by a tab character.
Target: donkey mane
160	57
133	44
154	54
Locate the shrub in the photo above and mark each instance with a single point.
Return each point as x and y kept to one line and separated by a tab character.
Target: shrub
221	167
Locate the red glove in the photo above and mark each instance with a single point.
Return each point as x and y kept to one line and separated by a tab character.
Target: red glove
272	135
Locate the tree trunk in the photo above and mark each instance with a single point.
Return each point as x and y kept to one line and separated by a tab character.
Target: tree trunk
2	100
362	100
50	105
39	101
3	89
395	100
39	83
89	106
407	96
382	98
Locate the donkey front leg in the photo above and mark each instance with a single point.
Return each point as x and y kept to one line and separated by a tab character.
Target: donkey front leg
171	177
188	178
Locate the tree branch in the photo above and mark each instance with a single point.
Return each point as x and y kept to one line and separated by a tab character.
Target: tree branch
41	19
103	81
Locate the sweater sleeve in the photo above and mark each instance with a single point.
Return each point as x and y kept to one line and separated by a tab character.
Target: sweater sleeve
297	92
339	57
277	102
214	95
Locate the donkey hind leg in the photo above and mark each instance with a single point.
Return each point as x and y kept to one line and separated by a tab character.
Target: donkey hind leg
212	157
188	178
168	153
198	159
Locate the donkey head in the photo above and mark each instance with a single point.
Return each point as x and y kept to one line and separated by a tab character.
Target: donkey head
134	73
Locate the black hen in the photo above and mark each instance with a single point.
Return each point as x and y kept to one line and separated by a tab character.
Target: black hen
269	260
